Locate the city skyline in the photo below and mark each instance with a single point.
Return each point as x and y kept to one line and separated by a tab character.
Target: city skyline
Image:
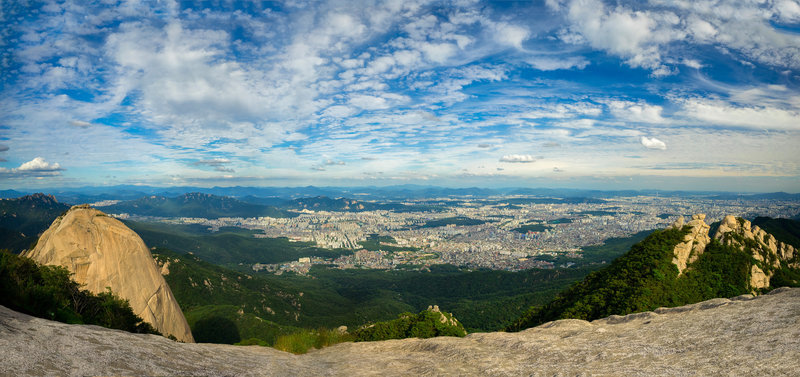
575	93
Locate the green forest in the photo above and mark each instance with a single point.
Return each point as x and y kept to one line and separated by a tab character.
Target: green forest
48	292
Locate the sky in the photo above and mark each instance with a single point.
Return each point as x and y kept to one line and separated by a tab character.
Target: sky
686	95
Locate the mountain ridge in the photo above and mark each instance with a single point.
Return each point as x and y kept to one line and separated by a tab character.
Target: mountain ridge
194	204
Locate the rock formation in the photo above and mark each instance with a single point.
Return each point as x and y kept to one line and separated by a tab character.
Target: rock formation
766	250
103	253
742	336
694	243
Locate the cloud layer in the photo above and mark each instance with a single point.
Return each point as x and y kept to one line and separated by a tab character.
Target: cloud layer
385	92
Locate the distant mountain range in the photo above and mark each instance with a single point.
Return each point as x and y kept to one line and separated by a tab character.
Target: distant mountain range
23	219
193	205
273	195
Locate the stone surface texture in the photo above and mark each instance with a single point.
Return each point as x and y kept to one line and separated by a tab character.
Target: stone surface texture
742	336
103	253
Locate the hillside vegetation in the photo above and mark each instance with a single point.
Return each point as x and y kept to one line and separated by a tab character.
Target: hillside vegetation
784	230
645	278
482	300
229	246
428	323
48	292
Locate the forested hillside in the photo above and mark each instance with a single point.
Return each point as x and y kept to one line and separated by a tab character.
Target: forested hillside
228	246
48	292
646	278
481	300
23	219
193	205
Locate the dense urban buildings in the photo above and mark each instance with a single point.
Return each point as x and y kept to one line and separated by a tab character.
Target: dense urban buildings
508	233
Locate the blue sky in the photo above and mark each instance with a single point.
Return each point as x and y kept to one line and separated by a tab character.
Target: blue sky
561	93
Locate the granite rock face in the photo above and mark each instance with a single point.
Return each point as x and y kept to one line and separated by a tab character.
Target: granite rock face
742	336
694	243
103	253
766	250
738	232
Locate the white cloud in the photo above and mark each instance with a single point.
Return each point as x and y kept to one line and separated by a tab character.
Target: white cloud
368	102
418	84
554	63
787	10
183	80
438	52
701	30
725	114
39	164
35	168
517	158
562	110
512	35
636	111
632	35
651	38
338	111
80	123
653	143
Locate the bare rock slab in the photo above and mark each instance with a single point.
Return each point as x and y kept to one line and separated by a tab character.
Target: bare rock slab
743	336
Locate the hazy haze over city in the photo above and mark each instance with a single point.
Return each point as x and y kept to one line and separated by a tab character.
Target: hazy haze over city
700	95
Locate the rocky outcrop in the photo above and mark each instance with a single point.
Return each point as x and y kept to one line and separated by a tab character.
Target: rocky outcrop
743	336
103	253
765	249
694	243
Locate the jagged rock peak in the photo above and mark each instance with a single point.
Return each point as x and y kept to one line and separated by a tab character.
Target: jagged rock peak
677	224
766	250
694	243
102	252
39	198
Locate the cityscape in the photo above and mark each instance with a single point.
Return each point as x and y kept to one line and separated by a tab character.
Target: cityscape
500	233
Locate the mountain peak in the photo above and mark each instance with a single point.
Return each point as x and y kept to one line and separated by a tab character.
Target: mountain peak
694	242
740	233
39	198
765	249
101	253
